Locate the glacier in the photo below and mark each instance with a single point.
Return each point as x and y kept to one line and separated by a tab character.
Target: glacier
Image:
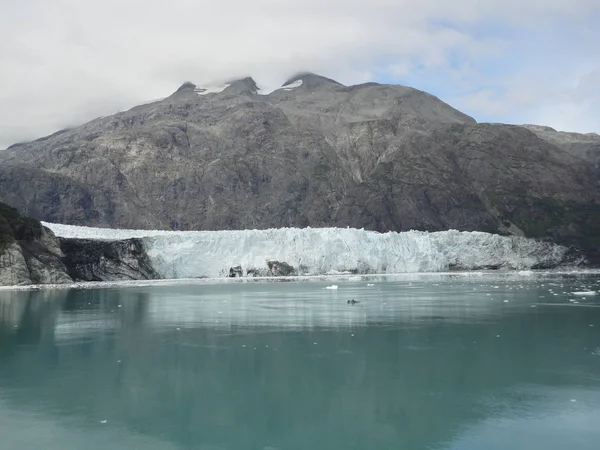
323	251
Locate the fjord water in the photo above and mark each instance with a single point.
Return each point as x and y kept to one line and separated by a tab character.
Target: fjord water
421	362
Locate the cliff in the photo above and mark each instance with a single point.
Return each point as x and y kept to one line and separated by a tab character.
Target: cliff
31	254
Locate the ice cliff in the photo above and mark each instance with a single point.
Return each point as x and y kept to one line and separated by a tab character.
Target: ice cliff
318	251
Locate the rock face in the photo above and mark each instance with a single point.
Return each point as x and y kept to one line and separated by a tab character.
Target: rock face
584	146
31	254
88	260
313	153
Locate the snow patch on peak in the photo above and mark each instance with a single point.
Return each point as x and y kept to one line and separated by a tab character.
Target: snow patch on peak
313	81
211	89
292	85
318	251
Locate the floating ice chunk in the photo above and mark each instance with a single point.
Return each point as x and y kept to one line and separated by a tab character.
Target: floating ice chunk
332	287
526	273
584	293
370	284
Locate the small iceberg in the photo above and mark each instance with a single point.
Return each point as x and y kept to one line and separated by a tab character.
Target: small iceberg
584	293
333	287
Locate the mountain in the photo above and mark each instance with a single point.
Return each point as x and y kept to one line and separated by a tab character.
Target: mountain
312	153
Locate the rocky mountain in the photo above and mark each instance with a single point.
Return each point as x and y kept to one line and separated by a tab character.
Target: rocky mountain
584	146
31	254
312	153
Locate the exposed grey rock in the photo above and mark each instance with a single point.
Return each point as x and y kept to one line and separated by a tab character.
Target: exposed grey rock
320	154
236	272
88	260
281	269
13	268
585	146
273	269
31	254
37	261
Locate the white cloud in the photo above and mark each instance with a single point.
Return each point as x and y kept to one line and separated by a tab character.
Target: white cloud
568	103
66	61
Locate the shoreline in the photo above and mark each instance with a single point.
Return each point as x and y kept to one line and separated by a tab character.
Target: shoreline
301	278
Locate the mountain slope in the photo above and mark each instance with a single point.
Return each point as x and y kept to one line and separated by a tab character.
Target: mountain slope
584	146
313	153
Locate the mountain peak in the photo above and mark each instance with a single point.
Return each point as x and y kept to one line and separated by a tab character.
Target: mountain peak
311	81
242	86
187	86
538	127
234	87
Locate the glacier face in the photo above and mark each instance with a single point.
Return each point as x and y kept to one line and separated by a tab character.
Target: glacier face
319	251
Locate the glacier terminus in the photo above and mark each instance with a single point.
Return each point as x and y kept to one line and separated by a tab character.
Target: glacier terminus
322	251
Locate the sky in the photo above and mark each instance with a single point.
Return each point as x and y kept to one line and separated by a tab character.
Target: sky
64	62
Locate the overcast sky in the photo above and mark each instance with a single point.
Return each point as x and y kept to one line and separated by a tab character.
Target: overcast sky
63	62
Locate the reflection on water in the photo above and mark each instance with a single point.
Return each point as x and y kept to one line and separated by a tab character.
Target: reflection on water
434	362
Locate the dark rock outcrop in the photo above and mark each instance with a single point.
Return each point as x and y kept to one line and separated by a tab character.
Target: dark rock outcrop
31	254
281	269
273	269
314	154
88	260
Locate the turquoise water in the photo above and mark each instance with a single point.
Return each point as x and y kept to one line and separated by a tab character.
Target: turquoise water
432	362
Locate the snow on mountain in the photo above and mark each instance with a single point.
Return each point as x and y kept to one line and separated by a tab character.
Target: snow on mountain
211	89
293	85
318	251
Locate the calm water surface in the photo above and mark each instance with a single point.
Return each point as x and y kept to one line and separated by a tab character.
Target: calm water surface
434	362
